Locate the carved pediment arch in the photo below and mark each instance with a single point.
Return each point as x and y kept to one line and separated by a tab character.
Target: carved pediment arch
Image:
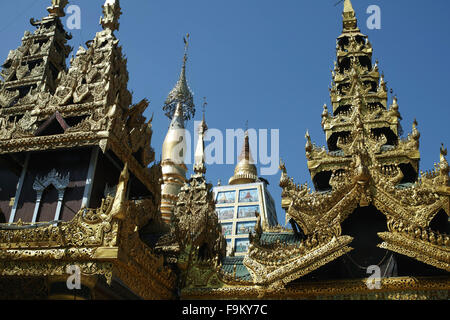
59	181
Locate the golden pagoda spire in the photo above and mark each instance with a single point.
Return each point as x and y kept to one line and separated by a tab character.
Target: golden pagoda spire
349	16
245	171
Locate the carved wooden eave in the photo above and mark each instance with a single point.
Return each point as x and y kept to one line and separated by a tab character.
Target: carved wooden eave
408	210
268	267
102	242
400	288
273	268
414	247
293	262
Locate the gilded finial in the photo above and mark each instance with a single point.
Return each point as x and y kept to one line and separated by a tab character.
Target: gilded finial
325	115
186	44
415	131
205	104
309	145
325	110
382	85
350	22
111	15
203	126
443	165
57	8
395	104
443	151
348	7
199	166
181	93
375	67
282	166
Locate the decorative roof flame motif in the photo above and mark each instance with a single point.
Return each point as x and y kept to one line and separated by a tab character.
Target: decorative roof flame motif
111	14
443	166
309	146
58	180
181	93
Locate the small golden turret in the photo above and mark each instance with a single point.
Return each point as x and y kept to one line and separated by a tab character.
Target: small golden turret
199	157
245	171
350	21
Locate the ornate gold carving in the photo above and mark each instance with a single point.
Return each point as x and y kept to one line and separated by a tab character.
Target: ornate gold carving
278	265
93	89
103	241
365	166
401	288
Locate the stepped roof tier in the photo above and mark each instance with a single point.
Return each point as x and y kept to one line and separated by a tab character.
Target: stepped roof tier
367	165
91	96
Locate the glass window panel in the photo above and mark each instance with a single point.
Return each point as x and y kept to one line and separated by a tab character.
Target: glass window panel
242	245
227	229
225	213
248	212
245	227
226	197
250	195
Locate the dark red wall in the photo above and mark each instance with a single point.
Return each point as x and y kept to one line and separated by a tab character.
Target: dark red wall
8	184
105	173
40	164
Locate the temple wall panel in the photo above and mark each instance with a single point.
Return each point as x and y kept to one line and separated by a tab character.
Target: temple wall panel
74	163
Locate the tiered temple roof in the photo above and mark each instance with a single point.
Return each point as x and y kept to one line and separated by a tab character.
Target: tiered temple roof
45	107
370	207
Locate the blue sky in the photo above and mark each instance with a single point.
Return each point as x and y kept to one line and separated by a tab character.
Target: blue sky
268	62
